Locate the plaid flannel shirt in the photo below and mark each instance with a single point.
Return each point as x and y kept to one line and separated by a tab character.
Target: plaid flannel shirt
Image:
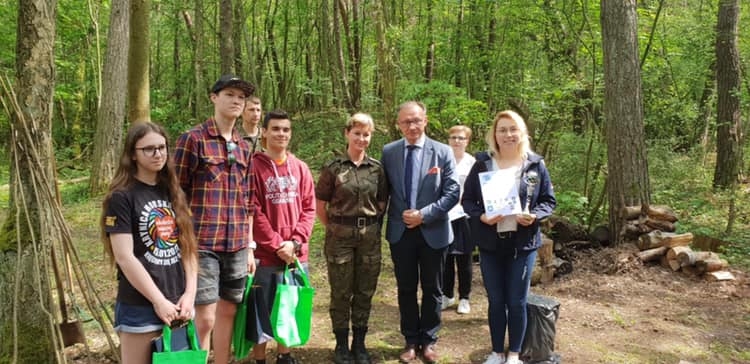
219	191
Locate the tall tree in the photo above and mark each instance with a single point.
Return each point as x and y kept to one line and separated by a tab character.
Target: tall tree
627	181
111	114
238	26
26	323
729	126
139	102
386	61
226	43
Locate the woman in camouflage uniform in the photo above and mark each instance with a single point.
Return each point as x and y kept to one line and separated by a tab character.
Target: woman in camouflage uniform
351	196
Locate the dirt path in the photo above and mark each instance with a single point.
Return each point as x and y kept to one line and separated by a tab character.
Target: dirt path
613	310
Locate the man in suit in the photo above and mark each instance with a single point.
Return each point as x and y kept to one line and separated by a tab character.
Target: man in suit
423	188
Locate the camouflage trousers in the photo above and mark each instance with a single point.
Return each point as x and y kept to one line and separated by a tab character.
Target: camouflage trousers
353	259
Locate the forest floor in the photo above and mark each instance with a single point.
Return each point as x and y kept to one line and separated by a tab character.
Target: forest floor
613	309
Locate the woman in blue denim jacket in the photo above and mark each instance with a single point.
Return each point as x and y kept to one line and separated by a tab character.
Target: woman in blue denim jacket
508	243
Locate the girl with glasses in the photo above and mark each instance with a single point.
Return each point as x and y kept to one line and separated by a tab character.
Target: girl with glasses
147	231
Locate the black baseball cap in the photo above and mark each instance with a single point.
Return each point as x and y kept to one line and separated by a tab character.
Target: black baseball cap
233	81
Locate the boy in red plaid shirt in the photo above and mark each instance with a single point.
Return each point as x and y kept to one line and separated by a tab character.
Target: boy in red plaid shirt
214	167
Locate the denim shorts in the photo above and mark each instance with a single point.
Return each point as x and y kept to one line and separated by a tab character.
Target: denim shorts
136	319
221	275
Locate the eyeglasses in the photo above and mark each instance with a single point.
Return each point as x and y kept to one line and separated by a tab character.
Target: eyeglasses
411	122
231	158
151	150
457	138
511	130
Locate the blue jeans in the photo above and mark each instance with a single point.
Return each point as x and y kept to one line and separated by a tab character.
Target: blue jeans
507	276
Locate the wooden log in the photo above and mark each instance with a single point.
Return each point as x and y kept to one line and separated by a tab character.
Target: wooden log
674	264
660	225
663	213
548	274
673	253
689	257
630	212
659	238
664	262
711	265
545	252
650	240
651	254
674	240
720	275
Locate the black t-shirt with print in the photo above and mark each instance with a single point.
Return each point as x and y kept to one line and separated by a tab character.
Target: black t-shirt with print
145	212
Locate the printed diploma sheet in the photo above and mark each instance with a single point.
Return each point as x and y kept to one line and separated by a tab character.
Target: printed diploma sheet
500	192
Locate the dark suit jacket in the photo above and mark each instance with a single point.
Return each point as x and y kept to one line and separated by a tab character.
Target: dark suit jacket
438	191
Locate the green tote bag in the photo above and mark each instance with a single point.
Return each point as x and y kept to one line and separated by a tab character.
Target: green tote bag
241	344
193	355
291	316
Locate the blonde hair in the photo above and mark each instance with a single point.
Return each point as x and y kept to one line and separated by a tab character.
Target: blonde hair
524	147
359	119
460	129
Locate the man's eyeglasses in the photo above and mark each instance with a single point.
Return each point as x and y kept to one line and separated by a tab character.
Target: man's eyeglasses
411	122
150	151
457	138
231	158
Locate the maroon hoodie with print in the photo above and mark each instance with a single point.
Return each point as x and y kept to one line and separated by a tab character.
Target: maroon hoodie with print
284	202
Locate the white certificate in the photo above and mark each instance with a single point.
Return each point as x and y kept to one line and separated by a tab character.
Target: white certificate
500	192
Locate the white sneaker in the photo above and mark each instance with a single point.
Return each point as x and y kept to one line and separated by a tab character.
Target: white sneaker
463	306
447	302
513	361
495	358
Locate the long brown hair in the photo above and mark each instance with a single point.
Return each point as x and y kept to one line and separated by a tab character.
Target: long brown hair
166	180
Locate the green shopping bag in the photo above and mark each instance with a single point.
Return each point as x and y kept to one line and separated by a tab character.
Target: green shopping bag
291	315
241	344
193	355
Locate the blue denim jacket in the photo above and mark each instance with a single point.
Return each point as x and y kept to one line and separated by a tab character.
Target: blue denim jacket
542	203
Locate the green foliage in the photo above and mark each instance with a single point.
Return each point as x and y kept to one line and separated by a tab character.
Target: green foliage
576	164
75	192
447	106
572	205
683	181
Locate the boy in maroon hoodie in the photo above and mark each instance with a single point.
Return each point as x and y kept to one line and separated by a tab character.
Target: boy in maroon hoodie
284	202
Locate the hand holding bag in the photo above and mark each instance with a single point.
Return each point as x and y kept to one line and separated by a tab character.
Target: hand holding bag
291	316
192	355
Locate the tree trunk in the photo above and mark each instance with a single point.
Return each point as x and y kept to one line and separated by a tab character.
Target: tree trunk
226	46
238	26
111	114
343	76
729	127
26	322
386	59
138	62
627	182
429	61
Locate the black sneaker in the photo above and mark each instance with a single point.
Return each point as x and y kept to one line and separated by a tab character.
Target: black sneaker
286	359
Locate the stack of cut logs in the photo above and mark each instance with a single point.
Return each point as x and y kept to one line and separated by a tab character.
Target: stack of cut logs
547	264
657	241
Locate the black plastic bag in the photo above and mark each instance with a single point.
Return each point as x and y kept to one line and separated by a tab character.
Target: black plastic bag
539	341
258	329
